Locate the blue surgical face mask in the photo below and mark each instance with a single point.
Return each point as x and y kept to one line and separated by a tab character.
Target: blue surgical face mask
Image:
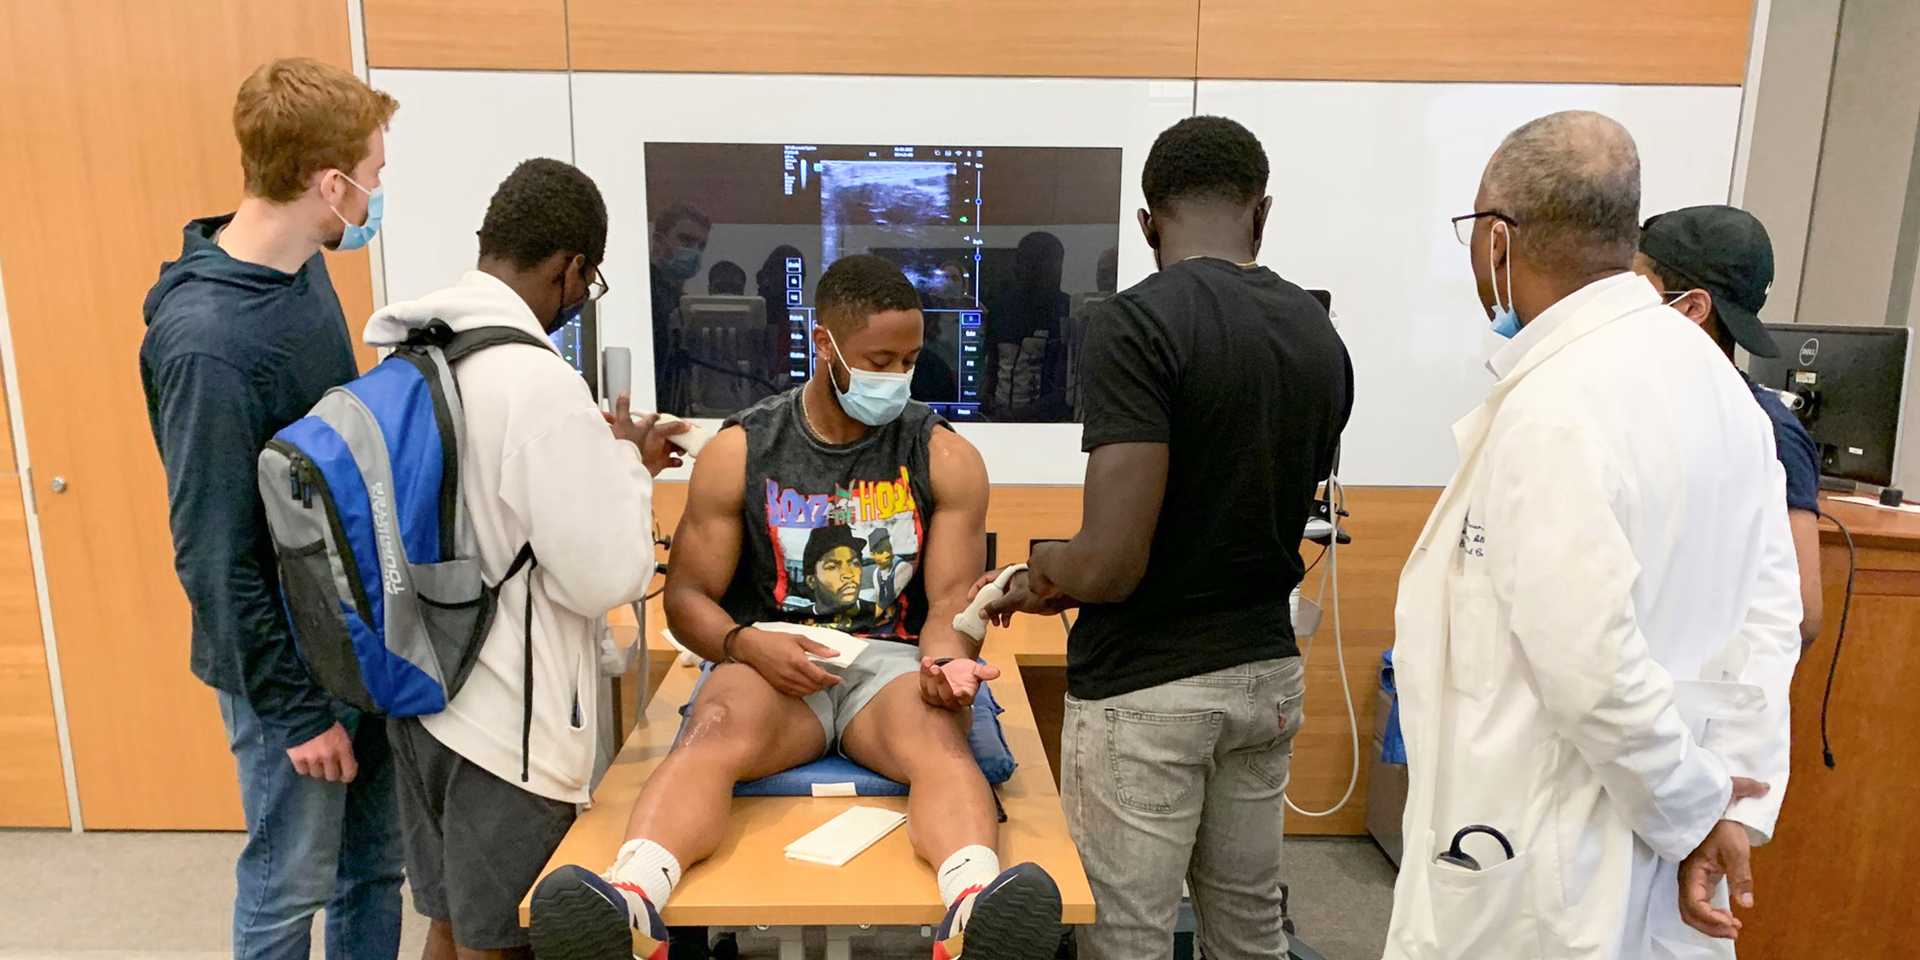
682	263
356	236
1506	323
873	398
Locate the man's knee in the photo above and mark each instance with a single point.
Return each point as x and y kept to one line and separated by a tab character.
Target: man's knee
722	730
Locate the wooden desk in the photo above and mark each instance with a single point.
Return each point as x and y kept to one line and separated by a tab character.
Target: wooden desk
750	881
1836	880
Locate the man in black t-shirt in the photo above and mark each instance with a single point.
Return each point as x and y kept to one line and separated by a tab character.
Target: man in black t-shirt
1714	264
1214	393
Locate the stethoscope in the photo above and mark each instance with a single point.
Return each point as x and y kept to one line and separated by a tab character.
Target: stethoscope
1454	856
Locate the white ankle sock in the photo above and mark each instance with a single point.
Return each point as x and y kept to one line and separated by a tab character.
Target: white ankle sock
969	867
650	867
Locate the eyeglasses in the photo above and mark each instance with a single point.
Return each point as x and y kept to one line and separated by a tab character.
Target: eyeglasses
1463	224
598	286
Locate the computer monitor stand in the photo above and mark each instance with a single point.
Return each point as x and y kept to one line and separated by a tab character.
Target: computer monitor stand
1838	485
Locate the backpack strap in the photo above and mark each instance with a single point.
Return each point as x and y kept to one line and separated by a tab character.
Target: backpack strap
525	560
458	346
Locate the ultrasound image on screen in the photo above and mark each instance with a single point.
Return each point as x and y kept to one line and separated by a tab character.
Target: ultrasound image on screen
903	201
1002	244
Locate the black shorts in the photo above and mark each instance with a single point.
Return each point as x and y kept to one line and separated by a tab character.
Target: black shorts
475	843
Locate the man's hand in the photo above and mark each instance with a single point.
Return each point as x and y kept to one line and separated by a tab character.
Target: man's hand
953	685
782	659
646	433
1723	854
328	757
1027	592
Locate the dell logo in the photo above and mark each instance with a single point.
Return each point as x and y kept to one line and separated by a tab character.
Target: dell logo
1810	351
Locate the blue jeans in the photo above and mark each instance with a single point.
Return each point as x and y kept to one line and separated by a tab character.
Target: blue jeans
314	845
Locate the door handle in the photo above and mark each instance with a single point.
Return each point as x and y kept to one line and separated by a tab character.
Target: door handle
58	485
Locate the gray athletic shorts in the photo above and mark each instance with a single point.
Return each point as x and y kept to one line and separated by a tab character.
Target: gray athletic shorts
475	843
881	663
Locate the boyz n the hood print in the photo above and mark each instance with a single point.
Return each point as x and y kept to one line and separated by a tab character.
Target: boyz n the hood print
845	556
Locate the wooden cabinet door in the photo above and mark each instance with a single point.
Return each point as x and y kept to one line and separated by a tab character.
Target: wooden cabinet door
118	129
33	791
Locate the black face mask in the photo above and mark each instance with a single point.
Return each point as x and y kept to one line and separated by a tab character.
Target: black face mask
567	314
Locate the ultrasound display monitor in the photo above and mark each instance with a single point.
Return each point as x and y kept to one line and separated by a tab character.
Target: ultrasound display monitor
1844	383
579	342
997	240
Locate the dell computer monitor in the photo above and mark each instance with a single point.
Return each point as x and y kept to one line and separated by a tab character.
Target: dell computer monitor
998	241
1844	383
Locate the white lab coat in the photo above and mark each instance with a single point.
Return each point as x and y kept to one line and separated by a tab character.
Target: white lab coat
1596	629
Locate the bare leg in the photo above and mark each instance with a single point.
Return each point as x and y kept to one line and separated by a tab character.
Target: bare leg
741	729
441	946
900	736
439	942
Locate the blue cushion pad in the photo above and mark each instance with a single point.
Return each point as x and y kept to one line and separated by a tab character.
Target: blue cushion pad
989	748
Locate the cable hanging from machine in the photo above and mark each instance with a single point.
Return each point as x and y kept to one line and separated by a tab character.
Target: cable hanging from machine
1840	636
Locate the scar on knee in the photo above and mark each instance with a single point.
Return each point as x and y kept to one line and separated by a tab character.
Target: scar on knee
710	721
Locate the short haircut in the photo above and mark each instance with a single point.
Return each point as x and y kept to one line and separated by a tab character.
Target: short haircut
726	277
1205	160
1571	183
545	207
672	216
298	117
857	287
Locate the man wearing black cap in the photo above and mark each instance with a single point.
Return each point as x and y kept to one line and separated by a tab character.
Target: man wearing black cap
1714	264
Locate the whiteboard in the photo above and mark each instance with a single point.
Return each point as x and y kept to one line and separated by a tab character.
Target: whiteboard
620	112
458	133
1364	178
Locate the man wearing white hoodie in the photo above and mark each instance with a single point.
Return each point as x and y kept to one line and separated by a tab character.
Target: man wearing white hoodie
539	467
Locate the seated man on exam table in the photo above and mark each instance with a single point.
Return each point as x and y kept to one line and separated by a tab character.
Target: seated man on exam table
787	503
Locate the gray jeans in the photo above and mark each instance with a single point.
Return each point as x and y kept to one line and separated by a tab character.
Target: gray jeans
1184	781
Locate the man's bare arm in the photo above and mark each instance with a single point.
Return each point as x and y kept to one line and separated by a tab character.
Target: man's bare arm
709	541
1806	551
955	551
1105	561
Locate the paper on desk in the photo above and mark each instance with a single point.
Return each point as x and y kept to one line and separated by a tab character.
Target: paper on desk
846	645
844	837
1870	502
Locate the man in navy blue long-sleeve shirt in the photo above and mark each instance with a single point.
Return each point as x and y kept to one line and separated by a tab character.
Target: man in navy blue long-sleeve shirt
244	334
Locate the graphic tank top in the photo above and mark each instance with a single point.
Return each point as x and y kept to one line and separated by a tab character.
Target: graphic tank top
833	532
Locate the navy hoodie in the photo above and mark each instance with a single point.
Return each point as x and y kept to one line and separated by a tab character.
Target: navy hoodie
234	351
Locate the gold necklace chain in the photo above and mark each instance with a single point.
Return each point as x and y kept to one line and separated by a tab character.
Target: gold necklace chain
807	417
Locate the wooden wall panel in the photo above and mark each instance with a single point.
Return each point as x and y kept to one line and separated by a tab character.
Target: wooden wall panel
1844	845
1546	41
1020	38
33	791
1385	522
118	130
467	34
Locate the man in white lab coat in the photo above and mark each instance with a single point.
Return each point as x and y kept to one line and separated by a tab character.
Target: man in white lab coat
1597	627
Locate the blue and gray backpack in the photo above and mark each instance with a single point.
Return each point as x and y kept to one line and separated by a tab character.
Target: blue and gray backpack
379	569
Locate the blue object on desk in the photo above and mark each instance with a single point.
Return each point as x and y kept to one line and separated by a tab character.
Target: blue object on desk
1393	749
839	774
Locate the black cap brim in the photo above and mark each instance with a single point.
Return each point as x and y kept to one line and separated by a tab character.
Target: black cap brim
1746	328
